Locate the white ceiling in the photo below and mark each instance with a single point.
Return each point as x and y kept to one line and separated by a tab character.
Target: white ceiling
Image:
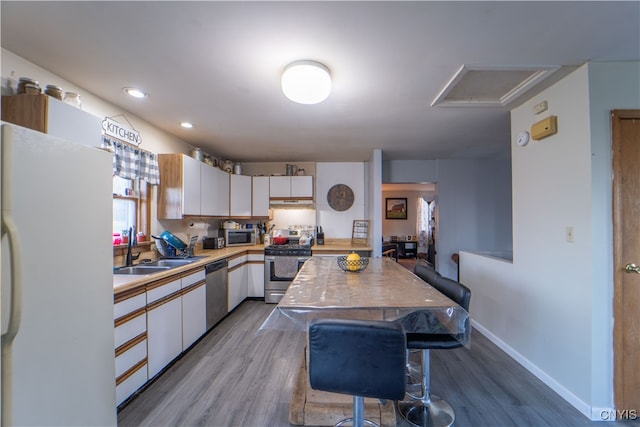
218	64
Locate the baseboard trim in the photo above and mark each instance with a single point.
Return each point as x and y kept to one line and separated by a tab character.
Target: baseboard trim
593	414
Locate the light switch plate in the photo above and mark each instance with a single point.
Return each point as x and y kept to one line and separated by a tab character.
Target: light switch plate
541	107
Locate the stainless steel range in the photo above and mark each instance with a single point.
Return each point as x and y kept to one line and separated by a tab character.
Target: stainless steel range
281	264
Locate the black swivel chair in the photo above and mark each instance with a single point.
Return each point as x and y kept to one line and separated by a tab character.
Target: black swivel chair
357	357
429	410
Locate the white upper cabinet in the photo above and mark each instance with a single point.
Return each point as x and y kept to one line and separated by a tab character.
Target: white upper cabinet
260	196
290	186
179	190
56	118
214	195
222	193
190	187
301	186
240	196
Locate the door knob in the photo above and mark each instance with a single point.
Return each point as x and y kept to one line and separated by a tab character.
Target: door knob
632	268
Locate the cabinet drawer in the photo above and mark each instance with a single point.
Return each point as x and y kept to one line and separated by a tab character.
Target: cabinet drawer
192	278
132	355
234	262
132	383
256	257
161	289
130	329
129	305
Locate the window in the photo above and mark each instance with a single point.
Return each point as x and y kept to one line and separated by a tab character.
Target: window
130	205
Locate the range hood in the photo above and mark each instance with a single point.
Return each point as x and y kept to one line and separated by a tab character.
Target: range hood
291	203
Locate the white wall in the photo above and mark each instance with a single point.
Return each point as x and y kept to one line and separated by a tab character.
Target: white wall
551	308
474	203
340	224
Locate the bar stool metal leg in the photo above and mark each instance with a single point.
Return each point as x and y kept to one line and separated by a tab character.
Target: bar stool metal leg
429	410
358	419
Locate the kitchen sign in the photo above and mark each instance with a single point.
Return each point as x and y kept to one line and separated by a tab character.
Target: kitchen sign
115	130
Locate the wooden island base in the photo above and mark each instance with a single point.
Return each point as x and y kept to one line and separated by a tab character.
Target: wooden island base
318	408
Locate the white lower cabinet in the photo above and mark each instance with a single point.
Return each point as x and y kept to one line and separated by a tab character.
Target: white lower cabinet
237	285
164	332
237	281
255	276
130	336
131	383
194	314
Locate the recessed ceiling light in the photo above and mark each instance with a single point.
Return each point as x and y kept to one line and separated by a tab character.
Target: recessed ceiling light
306	82
186	125
136	93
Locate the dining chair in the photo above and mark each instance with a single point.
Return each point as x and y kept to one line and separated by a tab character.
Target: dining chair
362	358
428	409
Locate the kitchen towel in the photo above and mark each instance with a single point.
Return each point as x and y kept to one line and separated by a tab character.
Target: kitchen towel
285	267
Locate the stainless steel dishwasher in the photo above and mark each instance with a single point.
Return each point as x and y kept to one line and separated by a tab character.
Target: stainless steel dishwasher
216	291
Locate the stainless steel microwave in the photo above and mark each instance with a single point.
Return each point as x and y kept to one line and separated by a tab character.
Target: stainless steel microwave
242	237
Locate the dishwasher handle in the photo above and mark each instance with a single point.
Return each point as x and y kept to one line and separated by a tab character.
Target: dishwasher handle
215	266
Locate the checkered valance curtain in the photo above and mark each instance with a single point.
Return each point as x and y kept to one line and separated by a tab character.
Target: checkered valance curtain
130	162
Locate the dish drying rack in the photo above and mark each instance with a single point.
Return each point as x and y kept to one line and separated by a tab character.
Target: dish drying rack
168	251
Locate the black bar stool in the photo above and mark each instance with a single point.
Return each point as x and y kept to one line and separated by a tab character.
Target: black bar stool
360	358
430	410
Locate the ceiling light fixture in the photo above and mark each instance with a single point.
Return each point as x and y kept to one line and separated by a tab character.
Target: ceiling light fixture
306	82
136	93
186	125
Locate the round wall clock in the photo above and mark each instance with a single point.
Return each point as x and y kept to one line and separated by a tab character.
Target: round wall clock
340	197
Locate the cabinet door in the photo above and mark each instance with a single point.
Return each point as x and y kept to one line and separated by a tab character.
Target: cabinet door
279	186
194	316
222	193
237	286
208	189
260	196
190	186
164	334
240	195
255	279
301	186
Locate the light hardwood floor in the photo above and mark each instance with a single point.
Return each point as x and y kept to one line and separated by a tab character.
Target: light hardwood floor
236	377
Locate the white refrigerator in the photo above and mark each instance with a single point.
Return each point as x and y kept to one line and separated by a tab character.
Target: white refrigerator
58	365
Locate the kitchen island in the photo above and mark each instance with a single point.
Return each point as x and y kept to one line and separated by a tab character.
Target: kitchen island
383	291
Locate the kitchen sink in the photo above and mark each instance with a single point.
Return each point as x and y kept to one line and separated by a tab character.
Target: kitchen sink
170	262
157	266
142	269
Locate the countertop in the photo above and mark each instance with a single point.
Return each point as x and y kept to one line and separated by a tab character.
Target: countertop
123	282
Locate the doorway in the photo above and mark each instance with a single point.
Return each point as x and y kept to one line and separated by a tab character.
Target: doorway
626	252
412	236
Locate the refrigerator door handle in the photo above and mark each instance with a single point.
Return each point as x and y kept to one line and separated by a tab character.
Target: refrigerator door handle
15	310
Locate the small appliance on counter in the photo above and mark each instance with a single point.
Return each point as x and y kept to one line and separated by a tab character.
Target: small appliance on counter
239	237
213	243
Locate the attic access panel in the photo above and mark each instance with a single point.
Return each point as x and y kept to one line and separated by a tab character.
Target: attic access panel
483	86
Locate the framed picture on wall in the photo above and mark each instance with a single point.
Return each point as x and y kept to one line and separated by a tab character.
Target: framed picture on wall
396	208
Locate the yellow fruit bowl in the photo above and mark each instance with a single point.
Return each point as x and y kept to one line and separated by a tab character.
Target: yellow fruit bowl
353	265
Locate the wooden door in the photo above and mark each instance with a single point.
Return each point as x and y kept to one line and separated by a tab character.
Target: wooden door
626	228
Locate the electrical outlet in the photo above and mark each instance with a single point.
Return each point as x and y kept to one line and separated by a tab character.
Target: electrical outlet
569	234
